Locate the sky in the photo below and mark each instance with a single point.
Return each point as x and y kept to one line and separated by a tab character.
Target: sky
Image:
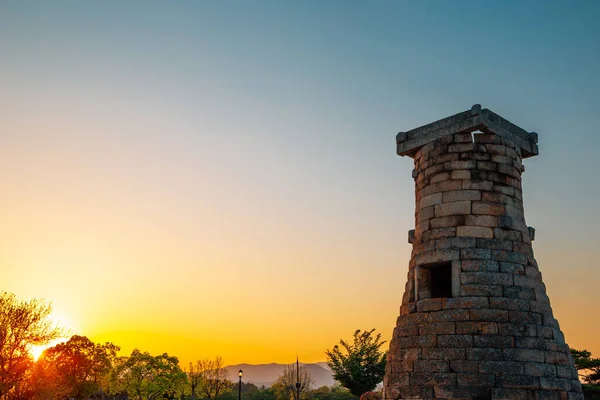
210	178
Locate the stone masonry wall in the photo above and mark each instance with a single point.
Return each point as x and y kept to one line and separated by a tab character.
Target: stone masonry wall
496	337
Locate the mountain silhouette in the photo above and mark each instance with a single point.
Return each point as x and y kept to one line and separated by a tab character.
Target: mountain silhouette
267	374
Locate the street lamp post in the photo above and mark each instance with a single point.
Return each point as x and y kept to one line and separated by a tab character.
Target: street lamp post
240	373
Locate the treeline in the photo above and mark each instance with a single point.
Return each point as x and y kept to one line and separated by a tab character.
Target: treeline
81	369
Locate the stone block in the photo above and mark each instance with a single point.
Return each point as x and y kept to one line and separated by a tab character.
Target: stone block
504	303
485	354
462	148
495	244
513	394
437	328
529	355
465	302
494	341
489	315
446	353
455	341
453	208
540	369
509	256
518	292
533	272
441	187
497	149
473	231
479	265
476	328
531	231
464	366
524	317
489	221
421	227
500	367
477	185
435	256
509	170
448	316
502	159
455	242
512	268
437	233
411	236
486	166
461	195
481	290
475	253
527	281
447	222
432	378
550	383
487	208
530	343
429	305
454	165
548	395
413	392
507	234
460	174
486	278
431	366
557	357
517	329
518	381
425	214
421	342
440	176
431	200
478	380
463	138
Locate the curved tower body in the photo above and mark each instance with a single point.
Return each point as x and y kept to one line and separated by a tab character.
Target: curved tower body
475	320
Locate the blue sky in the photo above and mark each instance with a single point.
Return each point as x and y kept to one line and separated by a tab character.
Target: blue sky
253	143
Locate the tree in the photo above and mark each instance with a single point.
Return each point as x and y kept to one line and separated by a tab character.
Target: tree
212	377
79	366
286	386
145	377
22	325
358	366
589	371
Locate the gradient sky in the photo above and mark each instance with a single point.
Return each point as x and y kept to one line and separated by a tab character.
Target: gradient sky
220	178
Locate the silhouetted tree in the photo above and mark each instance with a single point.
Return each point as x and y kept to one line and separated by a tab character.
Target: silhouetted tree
79	366
589	372
22	325
358	366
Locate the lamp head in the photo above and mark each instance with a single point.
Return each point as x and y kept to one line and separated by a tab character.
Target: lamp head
240	373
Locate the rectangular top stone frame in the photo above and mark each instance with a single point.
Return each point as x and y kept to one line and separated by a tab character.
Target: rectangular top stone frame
468	121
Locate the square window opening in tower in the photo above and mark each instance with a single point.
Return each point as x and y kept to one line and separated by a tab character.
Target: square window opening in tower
434	280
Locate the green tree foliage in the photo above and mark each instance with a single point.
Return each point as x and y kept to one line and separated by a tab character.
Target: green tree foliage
589	372
285	386
79	367
358	366
142	376
335	392
22	325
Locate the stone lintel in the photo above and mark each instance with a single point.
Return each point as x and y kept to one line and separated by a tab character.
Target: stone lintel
467	121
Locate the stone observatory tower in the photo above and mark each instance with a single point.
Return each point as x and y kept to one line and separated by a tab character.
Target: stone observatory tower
475	320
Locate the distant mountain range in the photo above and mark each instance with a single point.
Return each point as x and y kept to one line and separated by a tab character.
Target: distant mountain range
267	374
